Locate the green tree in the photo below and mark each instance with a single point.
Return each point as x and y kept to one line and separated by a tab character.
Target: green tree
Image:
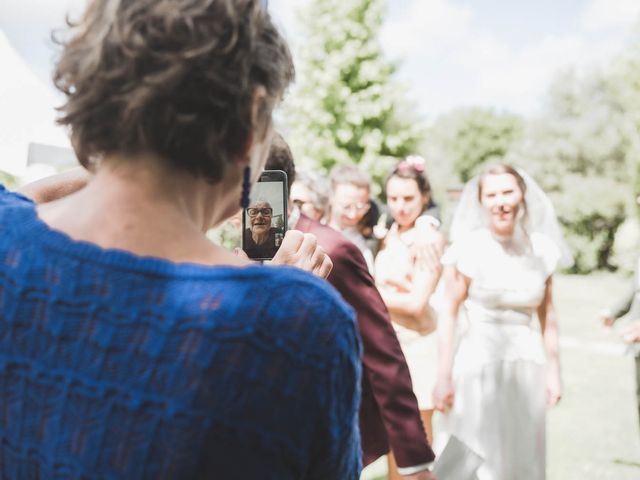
472	137
7	179
623	84
346	108
580	150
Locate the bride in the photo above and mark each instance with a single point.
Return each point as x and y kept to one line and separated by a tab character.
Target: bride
506	246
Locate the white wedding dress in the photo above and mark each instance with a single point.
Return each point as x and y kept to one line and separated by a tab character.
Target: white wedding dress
499	374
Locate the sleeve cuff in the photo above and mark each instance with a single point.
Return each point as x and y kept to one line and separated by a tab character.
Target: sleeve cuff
415	469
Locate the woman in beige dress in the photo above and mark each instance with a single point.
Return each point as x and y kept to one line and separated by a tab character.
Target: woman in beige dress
407	272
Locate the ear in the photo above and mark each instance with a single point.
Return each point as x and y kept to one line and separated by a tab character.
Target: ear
257	130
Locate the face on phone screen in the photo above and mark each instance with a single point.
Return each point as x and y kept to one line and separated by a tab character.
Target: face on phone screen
265	220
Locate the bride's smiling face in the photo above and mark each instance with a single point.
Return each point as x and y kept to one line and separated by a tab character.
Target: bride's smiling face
502	198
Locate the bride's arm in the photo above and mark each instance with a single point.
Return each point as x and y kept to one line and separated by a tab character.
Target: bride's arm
456	290
549	328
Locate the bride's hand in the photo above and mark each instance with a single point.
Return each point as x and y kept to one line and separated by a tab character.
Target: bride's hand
553	389
443	394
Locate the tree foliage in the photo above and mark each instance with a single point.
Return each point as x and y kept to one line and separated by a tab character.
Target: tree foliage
475	136
346	107
583	150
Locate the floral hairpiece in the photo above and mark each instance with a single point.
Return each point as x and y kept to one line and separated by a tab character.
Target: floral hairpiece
415	162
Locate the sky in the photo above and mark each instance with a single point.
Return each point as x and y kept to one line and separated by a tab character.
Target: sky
452	53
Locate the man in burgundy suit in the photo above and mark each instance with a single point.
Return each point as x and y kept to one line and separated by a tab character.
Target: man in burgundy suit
389	414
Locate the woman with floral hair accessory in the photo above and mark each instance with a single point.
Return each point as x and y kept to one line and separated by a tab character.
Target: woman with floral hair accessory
496	386
407	273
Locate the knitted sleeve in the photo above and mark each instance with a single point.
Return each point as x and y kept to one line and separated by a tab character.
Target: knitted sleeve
336	449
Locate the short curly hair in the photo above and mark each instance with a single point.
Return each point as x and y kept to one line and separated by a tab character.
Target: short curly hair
175	78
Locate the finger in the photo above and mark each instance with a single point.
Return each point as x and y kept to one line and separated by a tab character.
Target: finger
325	268
308	246
431	260
630	334
286	254
435	255
292	241
398	284
314	261
420	261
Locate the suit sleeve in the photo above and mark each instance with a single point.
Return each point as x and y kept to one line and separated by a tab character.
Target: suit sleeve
384	362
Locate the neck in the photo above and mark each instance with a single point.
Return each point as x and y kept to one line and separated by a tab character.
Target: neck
259	238
142	205
404	228
146	183
503	233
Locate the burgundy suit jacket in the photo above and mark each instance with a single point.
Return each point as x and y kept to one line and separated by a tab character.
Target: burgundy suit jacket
389	414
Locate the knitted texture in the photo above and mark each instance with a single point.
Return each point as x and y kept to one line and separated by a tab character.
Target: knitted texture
114	366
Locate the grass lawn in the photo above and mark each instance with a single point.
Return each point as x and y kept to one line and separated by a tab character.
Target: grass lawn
593	433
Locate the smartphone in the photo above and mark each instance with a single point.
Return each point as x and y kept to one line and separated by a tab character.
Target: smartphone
264	221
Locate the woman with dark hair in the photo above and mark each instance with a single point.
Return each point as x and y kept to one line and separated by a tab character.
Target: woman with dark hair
407	273
132	347
496	385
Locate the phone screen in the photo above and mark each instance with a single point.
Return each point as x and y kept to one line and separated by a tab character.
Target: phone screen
264	222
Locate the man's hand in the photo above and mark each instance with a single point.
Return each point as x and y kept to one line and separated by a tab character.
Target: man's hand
302	250
57	186
631	334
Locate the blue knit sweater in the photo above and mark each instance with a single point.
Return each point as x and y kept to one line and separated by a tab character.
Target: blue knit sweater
115	366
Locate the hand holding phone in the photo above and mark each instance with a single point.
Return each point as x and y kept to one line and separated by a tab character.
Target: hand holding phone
264	222
302	250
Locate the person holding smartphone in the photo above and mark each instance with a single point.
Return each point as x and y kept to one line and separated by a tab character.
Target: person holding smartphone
133	347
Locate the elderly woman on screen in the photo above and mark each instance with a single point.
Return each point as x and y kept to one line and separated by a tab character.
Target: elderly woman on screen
260	231
132	346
